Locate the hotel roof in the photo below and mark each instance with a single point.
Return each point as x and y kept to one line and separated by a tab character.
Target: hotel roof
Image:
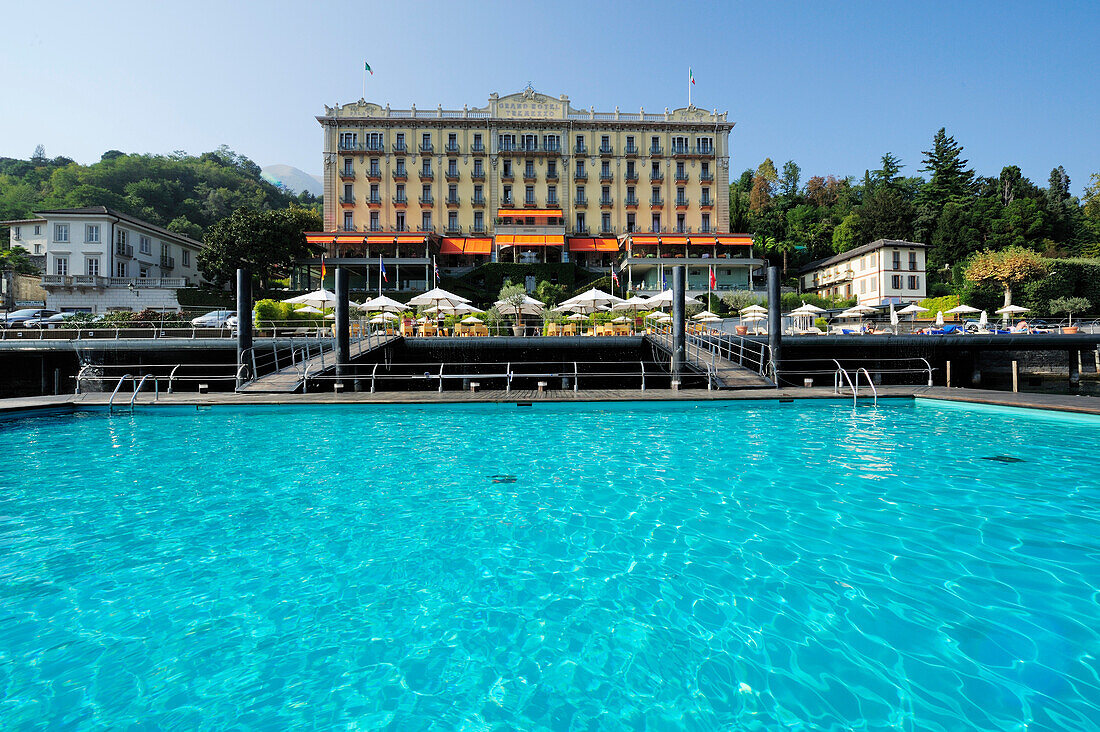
859	251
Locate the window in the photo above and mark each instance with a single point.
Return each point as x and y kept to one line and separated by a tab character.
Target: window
551	195
630	222
551	168
426	141
529	169
374	141
400	144
655	170
895	282
91	234
680	223
507	142
581	226
507	168
508	195
401	166
655	223
630	194
529	194
580	194
874	284
863	287
349	196
349	222
630	172
399	192
120	269
605	169
681	199
144	244
605	222
452	192
37	248
705	145
704	170
914	282
143	272
61	232
452	167
374	225
400	221
656	194
479	221
913	264
374	193
705	198
679	145
16	232
530	142
452	221
551	143
654	143
630	143
705	225
580	143
478	196
349	140
874	260
426	221
37	230
426	167
374	167
93	266
897	261
680	172
605	142
426	192
580	168
185	257
348	169
61	266
452	141
479	169
477	141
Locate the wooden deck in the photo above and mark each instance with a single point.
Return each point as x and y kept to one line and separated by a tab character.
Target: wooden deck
728	374
288	379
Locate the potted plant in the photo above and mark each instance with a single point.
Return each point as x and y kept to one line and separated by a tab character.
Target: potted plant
1069	305
513	297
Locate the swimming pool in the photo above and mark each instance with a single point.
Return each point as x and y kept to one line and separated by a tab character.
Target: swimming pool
746	565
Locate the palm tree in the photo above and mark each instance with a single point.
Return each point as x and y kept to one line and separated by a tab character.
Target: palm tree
771	245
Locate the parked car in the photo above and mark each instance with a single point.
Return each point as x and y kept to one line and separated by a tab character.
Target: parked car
54	321
214	319
19	318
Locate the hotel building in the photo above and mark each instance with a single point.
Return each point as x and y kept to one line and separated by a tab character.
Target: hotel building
528	178
882	272
97	259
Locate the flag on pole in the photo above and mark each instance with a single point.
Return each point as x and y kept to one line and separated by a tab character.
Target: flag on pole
664	281
322	270
713	281
382	268
691	76
614	276
367	68
436	268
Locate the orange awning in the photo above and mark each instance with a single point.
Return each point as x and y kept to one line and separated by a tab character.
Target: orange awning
597	244
466	245
530	240
353	237
538	213
704	240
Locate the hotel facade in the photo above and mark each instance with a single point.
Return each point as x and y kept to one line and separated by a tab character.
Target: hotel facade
882	272
529	179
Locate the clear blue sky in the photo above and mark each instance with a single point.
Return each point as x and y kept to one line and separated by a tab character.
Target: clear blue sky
832	86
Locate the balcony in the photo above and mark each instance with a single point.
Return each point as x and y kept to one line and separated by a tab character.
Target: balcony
580	176
552	202
400	201
607	150
478	201
453	227
631	150
400	174
529	175
580	201
139	283
374	174
678	150
707	229
580	229
477	228
681	203
374	200
606	202
400	149
656	151
631	202
706	203
706	177
453	201
580	150
682	176
656	176
426	200
528	148
508	174
124	250
552	174
507	202
426	174
426	147
347	174
478	174
508	147
452	174
552	148
452	147
530	203
656	202
606	229
167	262
347	200
606	176
631	176
478	148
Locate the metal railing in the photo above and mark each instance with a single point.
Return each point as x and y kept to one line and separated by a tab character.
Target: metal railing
841	370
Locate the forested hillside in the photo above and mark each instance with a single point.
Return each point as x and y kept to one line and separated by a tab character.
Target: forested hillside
181	192
950	208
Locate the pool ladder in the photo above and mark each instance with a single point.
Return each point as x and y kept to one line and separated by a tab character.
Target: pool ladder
842	375
137	389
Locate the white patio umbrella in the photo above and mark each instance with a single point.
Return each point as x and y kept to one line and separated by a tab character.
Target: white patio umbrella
664	300
592	300
1009	310
382	303
437	297
529	306
912	309
852	313
706	314
383	318
983	320
961	310
318	298
310	310
471	320
811	308
710	318
755	319
632	303
893	316
939	318
576	316
753	309
620	319
860	308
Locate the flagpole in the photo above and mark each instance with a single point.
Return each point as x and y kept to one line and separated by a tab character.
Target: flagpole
689	88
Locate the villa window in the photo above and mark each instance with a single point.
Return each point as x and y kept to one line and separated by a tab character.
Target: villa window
185	257
144	244
655	170
508	195
478	196
914	282
580	221
120	270
605	222
895	282
374	225
61	266
348	221
37	230
452	221
479	221
91	234
912	262
61	233
680	220
551	195
507	142
529	194
400	221
143	272
705	144
630	226
705	226
93	266
426	221
348	169
897	261
656	223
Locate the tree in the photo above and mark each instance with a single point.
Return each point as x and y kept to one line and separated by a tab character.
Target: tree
886	214
951	180
267	242
39	154
783	248
788	184
18	260
549	293
887	175
1069	305
846	234
1010	178
1007	267
512	297
763	184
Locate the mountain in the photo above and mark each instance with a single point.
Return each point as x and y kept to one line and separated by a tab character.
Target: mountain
293	178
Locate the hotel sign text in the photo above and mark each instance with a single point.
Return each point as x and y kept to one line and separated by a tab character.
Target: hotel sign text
529	109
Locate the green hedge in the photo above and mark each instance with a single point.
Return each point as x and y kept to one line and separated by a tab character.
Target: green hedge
1065	278
938	304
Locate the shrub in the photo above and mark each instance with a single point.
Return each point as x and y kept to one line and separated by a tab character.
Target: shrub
939	304
1069	305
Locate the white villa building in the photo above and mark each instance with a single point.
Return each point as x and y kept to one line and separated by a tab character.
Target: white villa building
98	259
882	272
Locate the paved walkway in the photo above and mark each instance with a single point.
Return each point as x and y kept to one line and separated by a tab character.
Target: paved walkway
71	402
728	374
288	379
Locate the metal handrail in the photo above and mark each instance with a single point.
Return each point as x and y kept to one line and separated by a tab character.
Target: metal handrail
140	384
111	401
870	383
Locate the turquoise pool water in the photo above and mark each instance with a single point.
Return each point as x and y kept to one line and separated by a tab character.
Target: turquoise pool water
743	566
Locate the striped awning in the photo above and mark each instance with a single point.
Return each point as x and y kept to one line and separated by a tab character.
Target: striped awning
595	244
704	240
466	245
538	213
355	237
530	240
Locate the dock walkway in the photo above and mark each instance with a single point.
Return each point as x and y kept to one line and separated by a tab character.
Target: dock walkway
289	379
727	374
